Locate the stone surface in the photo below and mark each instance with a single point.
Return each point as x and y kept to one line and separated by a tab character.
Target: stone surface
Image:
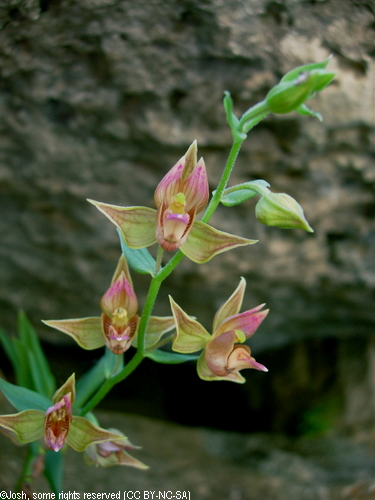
215	464
99	98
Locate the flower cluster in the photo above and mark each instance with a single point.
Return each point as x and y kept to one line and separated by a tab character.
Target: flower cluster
58	426
173	225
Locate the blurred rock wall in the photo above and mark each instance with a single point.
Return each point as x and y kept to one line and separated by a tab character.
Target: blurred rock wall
99	98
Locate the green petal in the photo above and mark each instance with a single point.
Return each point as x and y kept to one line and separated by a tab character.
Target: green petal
137	224
190	336
68	387
231	306
122	267
157	326
87	332
23	427
82	433
204	242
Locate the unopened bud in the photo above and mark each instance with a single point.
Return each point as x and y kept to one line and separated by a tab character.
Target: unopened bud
288	95
281	210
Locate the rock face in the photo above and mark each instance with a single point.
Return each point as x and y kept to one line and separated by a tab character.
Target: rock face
99	98
214	464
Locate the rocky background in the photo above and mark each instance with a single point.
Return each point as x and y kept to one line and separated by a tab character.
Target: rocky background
99	98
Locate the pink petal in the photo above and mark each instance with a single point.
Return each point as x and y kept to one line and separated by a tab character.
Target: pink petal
240	359
170	184
217	352
120	295
247	322
206	374
196	189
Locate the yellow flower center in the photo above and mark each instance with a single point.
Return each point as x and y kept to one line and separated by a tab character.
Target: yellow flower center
120	317
178	204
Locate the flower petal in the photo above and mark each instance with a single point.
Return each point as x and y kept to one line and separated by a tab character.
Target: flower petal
190	336
246	322
122	267
87	332
196	188
170	184
157	326
23	427
217	353
83	433
190	160
206	374
240	359
66	388
119	295
231	306
137	224
204	242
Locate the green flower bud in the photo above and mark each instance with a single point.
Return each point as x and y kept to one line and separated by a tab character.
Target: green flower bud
281	210
289	95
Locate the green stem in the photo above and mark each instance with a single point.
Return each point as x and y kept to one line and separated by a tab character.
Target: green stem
215	200
27	475
159	258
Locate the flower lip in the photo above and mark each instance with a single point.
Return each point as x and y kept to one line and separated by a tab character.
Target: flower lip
57	423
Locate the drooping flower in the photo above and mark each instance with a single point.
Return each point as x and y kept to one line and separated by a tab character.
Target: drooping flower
224	353
113	452
117	326
56	424
179	197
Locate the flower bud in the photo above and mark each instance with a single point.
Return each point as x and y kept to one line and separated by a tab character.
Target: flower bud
289	95
281	210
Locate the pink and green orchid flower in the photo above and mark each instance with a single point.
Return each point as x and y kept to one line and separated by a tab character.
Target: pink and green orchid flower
179	197
118	324
113	452
57	424
224	354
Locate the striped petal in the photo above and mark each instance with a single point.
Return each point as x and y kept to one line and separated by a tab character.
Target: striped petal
137	224
190	336
87	332
204	242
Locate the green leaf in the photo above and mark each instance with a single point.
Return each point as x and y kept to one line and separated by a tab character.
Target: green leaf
170	358
139	259
44	379
90	383
113	363
22	398
238	194
23	374
10	350
53	470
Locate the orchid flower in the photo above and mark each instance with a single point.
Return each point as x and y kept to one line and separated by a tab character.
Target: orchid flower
113	452
179	197
118	324
224	354
57	424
